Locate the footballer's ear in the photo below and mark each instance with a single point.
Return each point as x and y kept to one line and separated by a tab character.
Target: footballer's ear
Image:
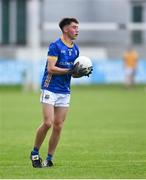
65	28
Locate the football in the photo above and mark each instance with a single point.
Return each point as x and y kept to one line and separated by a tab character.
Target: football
84	62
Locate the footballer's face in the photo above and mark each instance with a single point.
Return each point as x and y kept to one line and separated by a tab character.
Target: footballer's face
72	30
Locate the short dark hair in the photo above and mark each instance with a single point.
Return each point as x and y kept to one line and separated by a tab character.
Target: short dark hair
67	21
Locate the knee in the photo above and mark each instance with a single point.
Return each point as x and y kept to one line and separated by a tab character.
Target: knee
58	127
47	124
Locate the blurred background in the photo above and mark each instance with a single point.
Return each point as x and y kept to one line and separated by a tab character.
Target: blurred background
107	29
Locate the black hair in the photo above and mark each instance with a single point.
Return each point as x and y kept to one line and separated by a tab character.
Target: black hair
67	21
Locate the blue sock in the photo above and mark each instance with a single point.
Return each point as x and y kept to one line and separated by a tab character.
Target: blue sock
49	157
35	151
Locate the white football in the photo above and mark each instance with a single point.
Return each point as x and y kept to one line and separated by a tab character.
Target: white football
84	62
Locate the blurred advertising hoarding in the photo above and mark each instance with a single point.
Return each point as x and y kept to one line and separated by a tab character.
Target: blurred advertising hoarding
18	72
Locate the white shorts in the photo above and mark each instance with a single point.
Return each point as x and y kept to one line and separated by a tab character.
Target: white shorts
57	100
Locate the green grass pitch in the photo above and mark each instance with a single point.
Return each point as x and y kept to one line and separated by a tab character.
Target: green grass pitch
104	134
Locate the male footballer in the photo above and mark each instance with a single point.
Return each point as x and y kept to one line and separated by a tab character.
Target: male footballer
130	62
55	95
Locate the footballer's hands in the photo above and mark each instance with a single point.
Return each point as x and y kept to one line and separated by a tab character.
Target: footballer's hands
77	71
81	73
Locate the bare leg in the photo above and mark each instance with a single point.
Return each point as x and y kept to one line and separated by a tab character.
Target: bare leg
48	116
133	78
60	115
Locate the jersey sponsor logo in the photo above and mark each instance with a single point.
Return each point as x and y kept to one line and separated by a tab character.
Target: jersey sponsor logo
66	63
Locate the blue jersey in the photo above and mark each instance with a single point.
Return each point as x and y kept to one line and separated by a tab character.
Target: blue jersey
65	59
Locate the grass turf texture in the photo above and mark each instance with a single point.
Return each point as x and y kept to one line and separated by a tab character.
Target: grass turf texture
104	134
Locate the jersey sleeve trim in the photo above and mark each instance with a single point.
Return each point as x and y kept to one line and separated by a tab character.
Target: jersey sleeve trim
53	58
